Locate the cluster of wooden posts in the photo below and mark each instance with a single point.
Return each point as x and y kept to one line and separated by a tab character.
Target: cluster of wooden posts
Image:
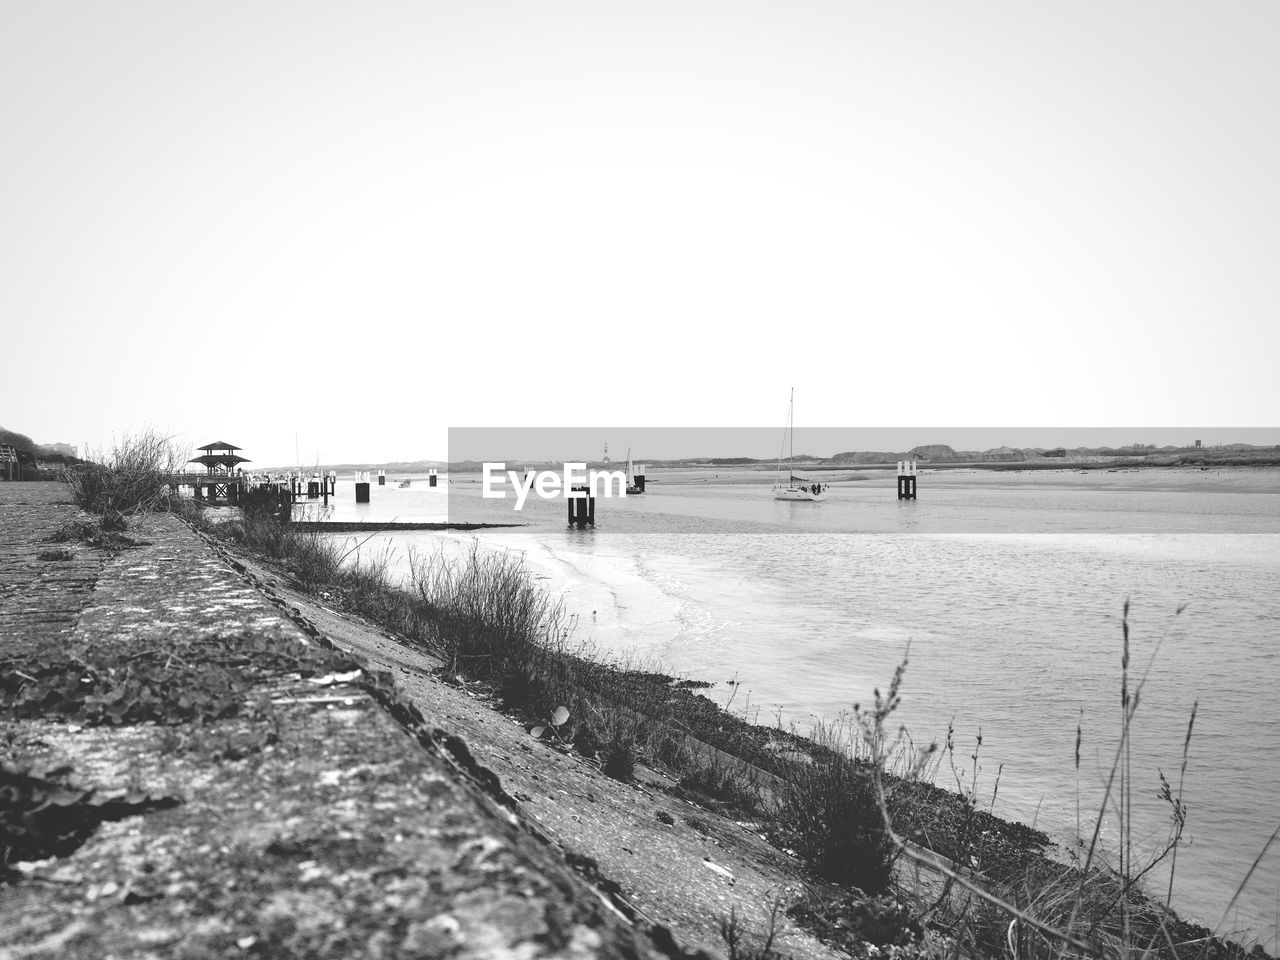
234	488
289	489
582	509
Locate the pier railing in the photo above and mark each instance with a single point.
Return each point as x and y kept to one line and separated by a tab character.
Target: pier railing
233	488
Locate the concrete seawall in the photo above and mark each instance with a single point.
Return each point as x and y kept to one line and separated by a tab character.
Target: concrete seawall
247	792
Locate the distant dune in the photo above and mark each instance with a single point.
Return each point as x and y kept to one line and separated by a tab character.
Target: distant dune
934	454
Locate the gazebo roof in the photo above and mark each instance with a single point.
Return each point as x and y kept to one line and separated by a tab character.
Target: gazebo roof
218	445
219	459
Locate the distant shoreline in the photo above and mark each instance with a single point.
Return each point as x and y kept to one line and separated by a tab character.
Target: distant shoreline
880	460
1101	463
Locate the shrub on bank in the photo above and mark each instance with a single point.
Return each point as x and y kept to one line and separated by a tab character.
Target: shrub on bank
485	613
134	476
828	812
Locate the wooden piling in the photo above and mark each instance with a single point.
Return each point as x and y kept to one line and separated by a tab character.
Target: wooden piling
906	479
582	510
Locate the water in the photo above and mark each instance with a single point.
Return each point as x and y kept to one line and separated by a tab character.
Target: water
1011	602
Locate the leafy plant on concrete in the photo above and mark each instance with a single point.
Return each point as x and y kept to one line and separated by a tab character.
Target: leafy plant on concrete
201	679
558	720
43	814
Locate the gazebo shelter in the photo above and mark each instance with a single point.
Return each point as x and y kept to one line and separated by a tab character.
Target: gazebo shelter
219	458
220	481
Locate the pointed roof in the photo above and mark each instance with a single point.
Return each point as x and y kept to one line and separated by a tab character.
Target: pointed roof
224	459
218	445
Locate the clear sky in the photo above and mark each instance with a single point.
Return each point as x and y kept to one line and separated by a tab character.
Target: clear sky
360	224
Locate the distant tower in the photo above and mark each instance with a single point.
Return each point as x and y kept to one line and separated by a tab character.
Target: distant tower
606	452
1197	444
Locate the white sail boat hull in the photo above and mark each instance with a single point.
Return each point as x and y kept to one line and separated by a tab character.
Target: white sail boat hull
798	493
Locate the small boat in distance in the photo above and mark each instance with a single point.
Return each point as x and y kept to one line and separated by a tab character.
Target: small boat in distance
797	487
405	483
635	482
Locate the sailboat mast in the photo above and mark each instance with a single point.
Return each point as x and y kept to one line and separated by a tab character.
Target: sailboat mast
782	450
791	428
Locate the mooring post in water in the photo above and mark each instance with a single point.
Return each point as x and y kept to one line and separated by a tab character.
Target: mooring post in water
906	479
313	487
382	478
431	477
582	509
362	487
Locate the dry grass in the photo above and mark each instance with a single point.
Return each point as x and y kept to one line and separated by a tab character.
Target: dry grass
1038	909
485	613
133	476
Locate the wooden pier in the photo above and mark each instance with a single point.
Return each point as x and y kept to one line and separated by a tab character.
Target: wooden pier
224	481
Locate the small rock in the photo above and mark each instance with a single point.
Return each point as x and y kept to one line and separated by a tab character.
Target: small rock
716	868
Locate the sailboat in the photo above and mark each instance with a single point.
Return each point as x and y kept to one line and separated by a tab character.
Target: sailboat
635	482
796	487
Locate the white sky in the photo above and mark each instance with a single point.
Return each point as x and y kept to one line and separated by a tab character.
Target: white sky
364	223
